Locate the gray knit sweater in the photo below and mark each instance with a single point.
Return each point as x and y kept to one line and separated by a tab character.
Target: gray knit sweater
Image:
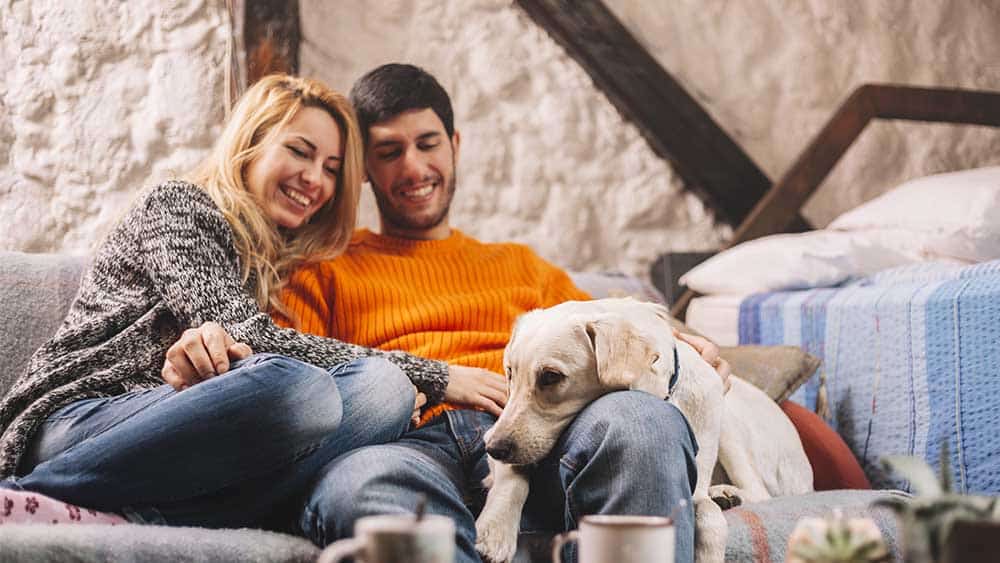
170	265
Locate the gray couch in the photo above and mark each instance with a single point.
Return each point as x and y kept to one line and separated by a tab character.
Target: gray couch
35	291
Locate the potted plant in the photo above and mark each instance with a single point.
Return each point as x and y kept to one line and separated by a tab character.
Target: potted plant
939	524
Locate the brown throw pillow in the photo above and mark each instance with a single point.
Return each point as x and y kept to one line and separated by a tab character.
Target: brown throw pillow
776	370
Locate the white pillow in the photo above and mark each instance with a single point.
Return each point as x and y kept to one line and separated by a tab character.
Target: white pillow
792	261
954	215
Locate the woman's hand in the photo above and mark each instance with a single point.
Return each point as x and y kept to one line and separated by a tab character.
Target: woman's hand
418	404
477	388
199	354
710	353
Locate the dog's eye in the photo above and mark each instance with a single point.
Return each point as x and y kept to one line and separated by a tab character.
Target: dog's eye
549	378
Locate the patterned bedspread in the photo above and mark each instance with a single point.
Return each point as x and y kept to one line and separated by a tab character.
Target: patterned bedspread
911	358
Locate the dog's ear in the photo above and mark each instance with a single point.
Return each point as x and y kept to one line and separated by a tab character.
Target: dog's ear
624	358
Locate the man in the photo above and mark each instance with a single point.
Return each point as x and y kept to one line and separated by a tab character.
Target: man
426	288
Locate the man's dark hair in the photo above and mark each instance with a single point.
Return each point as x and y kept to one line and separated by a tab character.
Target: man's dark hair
391	89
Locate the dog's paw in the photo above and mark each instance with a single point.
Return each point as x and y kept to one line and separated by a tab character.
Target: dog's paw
726	496
496	541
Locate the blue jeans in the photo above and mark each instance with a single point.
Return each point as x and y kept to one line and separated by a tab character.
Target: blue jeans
626	453
240	449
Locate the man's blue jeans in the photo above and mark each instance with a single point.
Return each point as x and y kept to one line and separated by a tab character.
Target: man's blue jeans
626	453
240	449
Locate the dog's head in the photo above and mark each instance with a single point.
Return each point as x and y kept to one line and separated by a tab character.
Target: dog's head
559	360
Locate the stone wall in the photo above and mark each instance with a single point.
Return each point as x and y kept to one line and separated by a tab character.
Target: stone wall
99	98
102	97
771	72
545	159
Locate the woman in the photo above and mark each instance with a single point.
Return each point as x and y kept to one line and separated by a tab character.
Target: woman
91	422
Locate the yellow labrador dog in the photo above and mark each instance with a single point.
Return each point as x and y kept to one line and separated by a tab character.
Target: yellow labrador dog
561	358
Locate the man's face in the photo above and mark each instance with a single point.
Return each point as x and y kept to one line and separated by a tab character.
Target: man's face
411	166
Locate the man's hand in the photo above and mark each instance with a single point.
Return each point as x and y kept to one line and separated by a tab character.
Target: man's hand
477	388
199	354
710	353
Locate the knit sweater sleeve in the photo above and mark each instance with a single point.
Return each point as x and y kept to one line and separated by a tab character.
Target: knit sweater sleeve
189	255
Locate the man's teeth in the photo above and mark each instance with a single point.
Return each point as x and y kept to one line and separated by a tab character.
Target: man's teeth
297	197
421	192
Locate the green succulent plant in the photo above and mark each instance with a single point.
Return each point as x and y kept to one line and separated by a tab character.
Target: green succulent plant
928	519
838	540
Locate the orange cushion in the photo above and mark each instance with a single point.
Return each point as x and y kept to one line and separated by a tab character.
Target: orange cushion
833	464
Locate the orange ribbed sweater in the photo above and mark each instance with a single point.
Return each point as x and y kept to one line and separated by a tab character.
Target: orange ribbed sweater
453	300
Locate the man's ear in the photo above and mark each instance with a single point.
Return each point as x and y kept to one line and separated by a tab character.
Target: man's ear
624	358
456	140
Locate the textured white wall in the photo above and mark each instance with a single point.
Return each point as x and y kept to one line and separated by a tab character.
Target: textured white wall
98	99
546	159
771	72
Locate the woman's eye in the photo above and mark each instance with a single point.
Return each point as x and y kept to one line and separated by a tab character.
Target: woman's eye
333	172
297	151
549	378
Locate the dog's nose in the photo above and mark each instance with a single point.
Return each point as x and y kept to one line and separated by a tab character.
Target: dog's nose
500	450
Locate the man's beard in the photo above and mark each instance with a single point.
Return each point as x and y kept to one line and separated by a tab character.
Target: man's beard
402	221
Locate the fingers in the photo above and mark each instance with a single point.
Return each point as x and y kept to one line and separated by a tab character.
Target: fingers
178	368
709	352
215	342
172	378
420	401
495	390
201	353
239	351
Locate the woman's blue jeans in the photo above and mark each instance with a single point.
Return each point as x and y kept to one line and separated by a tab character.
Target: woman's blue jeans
240	449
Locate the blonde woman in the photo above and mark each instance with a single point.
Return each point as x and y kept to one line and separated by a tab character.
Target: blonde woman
91	422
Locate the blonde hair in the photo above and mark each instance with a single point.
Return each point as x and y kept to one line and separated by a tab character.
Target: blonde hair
268	255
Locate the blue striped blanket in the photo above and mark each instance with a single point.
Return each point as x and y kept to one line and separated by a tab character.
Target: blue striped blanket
911	357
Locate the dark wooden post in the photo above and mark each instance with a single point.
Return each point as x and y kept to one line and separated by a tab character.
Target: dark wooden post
271	37
676	126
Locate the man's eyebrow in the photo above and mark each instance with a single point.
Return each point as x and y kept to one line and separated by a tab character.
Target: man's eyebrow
393	142
313	148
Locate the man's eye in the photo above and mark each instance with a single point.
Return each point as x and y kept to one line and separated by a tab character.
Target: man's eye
549	377
428	146
387	155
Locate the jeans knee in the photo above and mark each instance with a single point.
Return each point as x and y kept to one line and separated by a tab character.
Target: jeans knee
630	423
303	398
388	381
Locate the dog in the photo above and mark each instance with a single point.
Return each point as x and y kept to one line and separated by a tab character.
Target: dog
561	358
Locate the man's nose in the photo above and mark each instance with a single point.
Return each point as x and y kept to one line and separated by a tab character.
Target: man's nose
414	166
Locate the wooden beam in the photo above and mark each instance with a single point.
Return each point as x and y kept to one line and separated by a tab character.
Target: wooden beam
779	208
271	36
675	125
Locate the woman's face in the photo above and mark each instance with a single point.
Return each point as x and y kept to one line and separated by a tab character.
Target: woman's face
296	172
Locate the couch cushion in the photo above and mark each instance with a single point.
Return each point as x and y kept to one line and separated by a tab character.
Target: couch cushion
86	543
834	465
35	293
759	531
777	370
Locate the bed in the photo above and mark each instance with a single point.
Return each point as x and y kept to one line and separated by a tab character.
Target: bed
905	317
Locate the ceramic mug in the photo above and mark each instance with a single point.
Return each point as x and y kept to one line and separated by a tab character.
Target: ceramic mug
621	539
396	538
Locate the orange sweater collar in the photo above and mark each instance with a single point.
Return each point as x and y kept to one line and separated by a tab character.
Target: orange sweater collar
364	237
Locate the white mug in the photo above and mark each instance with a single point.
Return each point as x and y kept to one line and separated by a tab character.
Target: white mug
620	539
396	538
